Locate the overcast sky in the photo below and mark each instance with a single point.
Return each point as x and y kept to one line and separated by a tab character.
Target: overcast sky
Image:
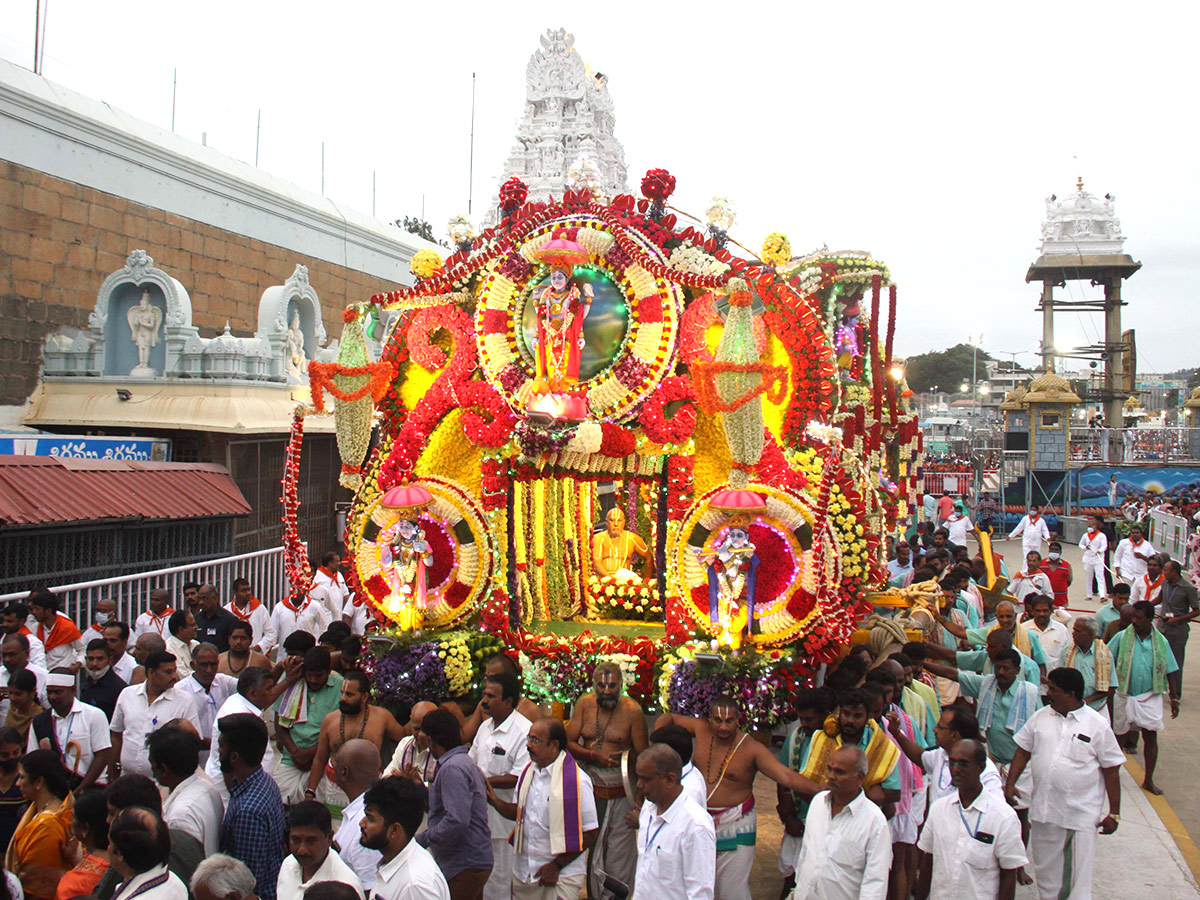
929	135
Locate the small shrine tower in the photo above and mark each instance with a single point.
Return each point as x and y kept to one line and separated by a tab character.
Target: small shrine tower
568	115
1082	241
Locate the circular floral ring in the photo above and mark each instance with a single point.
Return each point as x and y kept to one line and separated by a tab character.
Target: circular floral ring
787	588
648	351
463	553
680	426
428	322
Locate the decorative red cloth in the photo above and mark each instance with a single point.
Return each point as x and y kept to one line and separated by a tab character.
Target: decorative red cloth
63	632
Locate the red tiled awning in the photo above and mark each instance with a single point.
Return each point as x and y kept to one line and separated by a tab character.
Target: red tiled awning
44	490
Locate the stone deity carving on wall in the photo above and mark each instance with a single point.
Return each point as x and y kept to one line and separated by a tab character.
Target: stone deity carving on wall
297	360
145	322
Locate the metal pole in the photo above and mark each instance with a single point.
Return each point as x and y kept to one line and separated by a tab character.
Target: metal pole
37	32
372	193
322	168
257	138
1047	326
174	87
471	165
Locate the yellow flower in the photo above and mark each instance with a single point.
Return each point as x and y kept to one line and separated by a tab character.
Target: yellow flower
776	249
425	262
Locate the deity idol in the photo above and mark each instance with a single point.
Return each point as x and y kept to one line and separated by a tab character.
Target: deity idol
144	320
561	309
732	570
614	548
406	556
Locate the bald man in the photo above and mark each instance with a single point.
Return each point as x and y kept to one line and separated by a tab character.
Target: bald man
412	758
142	648
356	768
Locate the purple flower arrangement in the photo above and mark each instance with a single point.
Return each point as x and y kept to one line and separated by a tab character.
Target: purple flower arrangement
410	673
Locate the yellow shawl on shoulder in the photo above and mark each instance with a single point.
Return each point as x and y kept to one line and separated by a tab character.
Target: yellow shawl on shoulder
882	755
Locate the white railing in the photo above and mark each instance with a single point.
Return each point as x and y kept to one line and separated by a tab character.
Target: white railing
1138	445
263	569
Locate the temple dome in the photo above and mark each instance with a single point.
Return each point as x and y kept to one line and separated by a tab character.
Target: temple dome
1051	388
1012	400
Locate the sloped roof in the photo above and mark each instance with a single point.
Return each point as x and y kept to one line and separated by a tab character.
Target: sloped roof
46	490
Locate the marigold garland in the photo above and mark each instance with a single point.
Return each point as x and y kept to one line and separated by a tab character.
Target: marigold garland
704	373
321	375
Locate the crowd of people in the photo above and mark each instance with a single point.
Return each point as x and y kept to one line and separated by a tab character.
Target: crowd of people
200	751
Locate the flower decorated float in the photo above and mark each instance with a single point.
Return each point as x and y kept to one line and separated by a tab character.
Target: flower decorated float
597	432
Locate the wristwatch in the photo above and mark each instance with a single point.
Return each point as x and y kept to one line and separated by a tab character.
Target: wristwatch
1116	817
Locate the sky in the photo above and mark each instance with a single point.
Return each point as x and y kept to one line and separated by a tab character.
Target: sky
929	134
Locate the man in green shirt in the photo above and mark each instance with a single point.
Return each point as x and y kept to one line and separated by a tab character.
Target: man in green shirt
1091	659
981	661
1111	611
298	715
1145	670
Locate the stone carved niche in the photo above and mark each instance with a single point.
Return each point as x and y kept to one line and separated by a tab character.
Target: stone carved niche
291	326
112	350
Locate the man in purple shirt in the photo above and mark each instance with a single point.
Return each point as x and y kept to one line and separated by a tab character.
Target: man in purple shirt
457	835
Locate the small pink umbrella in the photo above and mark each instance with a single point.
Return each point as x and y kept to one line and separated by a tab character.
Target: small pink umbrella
407	496
561	251
737	501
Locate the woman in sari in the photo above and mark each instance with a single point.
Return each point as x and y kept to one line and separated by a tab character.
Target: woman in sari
23	705
37	854
91	830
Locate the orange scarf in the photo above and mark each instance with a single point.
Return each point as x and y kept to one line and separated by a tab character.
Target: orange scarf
1151	586
287	601
255	603
63	632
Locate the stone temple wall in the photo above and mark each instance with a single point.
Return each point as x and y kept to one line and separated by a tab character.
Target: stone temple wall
59	240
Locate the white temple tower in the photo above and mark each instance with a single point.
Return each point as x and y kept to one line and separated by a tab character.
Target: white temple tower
568	114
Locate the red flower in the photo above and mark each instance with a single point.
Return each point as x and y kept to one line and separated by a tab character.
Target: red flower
658	185
483	432
616	441
513	194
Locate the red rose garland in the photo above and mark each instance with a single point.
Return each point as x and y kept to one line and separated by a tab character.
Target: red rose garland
484	432
513	194
454	320
295	555
616	441
680	426
658	185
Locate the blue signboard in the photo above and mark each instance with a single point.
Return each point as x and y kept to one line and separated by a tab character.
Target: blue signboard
87	447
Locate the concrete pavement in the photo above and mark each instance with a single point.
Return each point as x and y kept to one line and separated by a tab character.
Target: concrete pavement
1151	854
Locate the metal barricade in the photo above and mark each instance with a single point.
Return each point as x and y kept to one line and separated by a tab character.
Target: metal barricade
263	569
1169	533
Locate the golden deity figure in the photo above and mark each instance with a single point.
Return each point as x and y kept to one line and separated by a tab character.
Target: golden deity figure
562	307
614	548
408	556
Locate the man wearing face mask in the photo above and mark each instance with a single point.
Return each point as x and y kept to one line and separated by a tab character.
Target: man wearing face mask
1094	545
605	725
101	685
105	612
1033	530
1058	570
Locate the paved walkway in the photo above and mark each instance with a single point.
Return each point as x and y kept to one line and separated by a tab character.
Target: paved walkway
1152	854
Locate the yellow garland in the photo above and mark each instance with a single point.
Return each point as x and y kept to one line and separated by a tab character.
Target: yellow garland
776	249
710	467
449	454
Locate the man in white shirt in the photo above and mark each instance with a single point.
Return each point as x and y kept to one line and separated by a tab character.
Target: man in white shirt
1148	587
1052	633
78	733
209	689
1132	554
181	640
957	723
154	620
677	842
143	709
500	751
193	804
60	637
116	636
1031	579
392	812
290	615
333	591
972	836
104	612
847	849
1076	766
312	859
691	779
356	768
138	849
15	617
1094	545
1033	530
555	812
959	526
249	608
412	754
14	653
253	696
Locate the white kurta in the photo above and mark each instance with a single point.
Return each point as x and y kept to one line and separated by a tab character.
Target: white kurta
290	882
844	857
677	852
964	867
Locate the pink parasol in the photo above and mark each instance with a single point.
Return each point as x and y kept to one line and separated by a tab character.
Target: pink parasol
561	251
407	496
737	501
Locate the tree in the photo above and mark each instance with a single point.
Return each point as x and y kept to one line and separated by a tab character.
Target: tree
946	368
420	228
